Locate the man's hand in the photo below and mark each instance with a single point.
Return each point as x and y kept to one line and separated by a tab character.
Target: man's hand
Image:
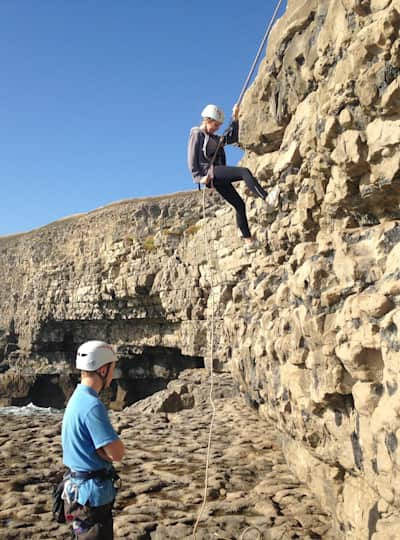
204	180
100	452
113	451
235	112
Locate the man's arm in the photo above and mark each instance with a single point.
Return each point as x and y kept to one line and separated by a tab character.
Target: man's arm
114	451
105	439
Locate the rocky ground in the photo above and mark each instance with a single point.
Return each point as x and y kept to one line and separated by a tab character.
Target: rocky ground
251	493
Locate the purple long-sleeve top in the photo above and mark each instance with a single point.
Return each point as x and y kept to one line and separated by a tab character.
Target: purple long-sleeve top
202	147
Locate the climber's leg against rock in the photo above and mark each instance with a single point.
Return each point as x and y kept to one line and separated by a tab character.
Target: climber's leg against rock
229	193
235	174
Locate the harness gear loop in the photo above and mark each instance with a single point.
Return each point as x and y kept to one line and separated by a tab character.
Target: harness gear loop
103	377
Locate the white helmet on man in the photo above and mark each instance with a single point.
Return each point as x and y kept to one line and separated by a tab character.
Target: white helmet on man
213	112
92	355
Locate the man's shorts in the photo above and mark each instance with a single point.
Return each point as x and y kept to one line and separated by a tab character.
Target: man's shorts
90	523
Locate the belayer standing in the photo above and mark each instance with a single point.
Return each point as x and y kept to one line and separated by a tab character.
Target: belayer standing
211	170
90	446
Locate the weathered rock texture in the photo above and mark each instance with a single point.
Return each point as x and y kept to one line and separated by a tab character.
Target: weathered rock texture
251	492
112	274
310	325
322	357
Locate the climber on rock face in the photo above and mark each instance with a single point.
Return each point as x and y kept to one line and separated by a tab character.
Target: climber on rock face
213	171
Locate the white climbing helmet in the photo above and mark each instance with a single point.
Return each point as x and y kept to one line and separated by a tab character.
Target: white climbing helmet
213	112
94	354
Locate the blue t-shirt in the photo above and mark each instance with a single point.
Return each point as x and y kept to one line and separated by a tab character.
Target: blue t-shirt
85	428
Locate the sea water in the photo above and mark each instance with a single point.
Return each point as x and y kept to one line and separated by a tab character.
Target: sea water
28	410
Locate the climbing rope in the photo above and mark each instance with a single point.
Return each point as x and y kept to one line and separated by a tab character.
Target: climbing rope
207	252
260	50
249	76
211	360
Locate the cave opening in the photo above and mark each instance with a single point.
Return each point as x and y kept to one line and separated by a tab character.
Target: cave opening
47	392
148	371
145	371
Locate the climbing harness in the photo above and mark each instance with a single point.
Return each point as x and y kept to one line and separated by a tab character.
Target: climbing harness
101	474
221	143
207	252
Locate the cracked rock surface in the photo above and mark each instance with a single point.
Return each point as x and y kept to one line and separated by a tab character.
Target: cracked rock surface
250	491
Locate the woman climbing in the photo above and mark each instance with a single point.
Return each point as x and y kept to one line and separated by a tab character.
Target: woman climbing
211	170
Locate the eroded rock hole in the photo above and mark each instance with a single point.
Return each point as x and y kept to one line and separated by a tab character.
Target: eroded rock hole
148	371
144	372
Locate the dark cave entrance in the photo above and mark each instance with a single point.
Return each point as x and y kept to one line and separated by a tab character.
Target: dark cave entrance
48	392
148	371
144	371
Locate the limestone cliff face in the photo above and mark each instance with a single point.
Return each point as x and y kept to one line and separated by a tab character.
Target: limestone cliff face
310	325
322	359
112	274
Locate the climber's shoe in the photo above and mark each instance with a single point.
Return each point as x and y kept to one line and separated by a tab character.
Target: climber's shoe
272	200
251	247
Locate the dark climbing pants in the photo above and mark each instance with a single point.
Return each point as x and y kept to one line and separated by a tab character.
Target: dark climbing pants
91	523
223	178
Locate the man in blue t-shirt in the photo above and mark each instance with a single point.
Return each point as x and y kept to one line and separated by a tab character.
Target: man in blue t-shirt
90	446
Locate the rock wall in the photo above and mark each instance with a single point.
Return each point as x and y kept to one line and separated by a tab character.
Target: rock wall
111	274
309	325
322	357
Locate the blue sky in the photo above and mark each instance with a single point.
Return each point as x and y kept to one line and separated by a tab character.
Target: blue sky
98	96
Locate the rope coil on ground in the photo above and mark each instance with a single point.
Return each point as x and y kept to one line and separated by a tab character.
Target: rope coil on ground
250	529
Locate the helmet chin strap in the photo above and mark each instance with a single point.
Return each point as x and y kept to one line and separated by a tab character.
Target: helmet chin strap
103	377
